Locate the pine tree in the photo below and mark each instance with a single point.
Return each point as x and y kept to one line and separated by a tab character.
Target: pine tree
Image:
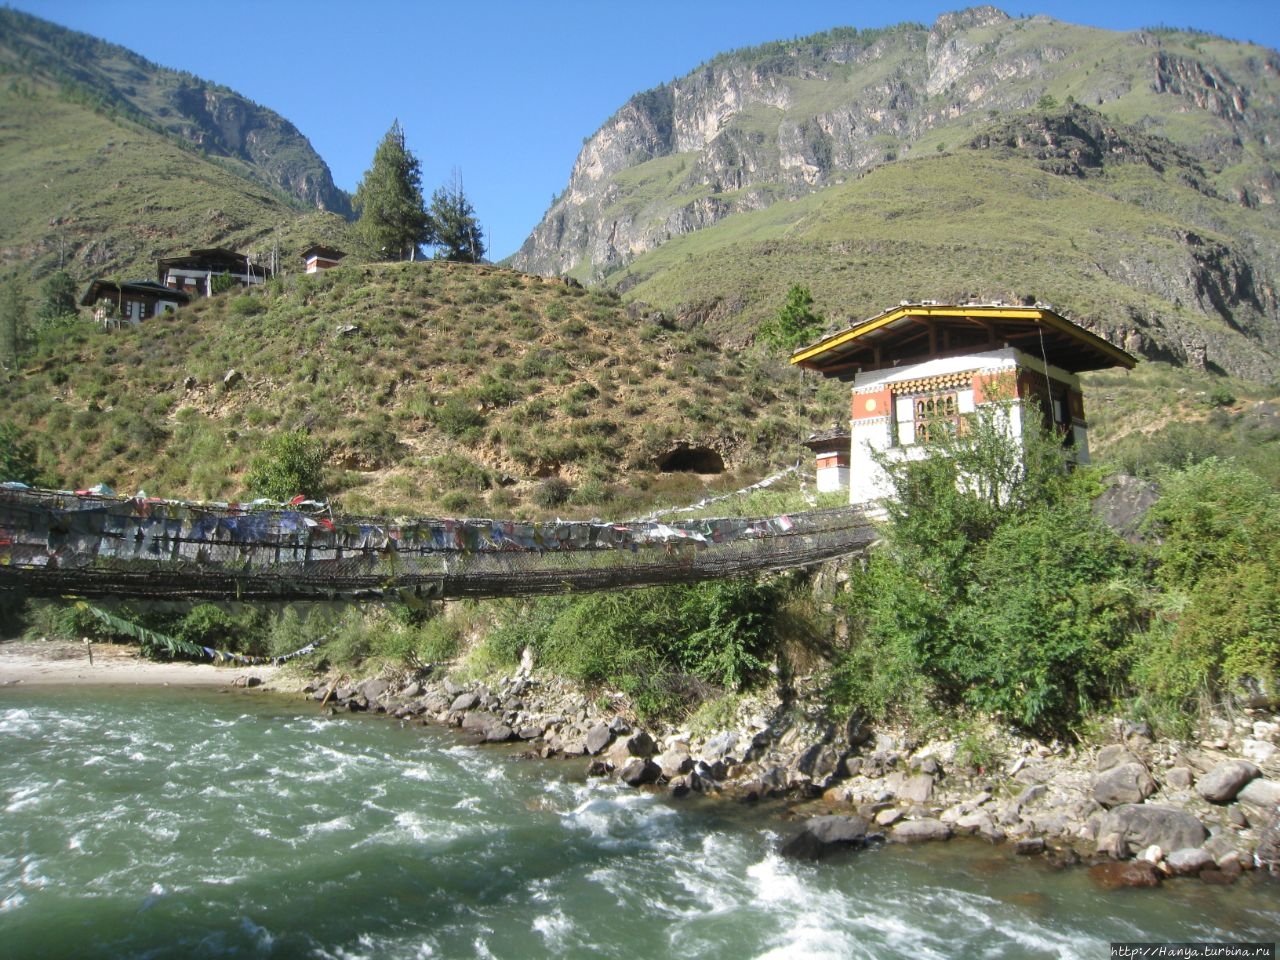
13	323
457	232
58	295
393	218
794	324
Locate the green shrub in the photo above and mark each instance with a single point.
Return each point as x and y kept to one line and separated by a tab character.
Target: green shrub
17	456
552	492
290	464
458	417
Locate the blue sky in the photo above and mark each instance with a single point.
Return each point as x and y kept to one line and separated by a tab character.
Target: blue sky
505	92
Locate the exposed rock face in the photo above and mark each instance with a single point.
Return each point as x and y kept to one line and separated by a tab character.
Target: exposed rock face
780	121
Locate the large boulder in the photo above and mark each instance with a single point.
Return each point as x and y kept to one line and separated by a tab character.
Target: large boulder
640	771
1182	863
1140	825
918	831
720	745
1124	784
1112	756
917	788
464	701
1260	799
598	737
823	835
1223	782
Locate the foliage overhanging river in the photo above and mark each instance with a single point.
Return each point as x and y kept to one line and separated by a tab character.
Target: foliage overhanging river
165	823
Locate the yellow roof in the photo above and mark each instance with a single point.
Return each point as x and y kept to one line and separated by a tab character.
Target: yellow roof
914	332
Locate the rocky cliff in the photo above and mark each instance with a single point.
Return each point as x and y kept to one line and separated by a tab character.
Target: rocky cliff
783	120
212	119
1168	133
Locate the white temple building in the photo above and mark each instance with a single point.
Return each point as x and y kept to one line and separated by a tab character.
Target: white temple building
921	365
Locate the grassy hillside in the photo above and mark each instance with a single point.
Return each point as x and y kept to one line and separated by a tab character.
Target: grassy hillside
434	387
105	197
248	139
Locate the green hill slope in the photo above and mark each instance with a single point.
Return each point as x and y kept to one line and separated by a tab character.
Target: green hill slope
249	139
434	387
102	196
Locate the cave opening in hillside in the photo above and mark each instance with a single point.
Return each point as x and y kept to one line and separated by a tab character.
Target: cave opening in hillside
691	460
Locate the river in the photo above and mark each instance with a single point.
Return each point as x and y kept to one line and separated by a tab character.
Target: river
163	823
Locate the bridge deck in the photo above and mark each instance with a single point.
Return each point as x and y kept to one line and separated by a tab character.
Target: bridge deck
56	543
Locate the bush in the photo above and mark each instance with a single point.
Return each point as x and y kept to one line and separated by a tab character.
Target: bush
661	646
552	492
290	464
17	456
938	616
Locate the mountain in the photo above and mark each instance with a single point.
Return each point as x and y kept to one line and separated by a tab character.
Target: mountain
1129	178
212	119
92	186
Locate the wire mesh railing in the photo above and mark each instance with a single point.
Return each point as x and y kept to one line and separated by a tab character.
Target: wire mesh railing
54	543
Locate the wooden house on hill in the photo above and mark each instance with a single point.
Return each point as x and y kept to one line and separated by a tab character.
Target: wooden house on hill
130	301
919	366
195	272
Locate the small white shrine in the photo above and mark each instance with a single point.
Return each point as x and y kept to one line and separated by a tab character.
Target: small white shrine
921	365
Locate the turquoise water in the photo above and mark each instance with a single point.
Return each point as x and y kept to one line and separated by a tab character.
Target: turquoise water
200	824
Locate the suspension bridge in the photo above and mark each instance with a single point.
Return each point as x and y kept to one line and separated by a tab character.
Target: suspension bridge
56	543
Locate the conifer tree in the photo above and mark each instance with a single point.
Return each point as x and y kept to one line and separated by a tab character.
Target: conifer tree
13	323
393	218
58	294
457	232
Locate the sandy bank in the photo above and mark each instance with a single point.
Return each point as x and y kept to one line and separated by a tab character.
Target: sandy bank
61	662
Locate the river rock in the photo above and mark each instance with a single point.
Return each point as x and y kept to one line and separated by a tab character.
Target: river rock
1124	784
1259	751
889	816
1267	854
640	744
1190	861
464	701
498	733
1112	756
675	762
1139	825
918	831
818	763
1179	778
1223	782
720	745
822	835
639	771
1260	799
916	789
452	687
1128	873
1029	847
373	689
598	738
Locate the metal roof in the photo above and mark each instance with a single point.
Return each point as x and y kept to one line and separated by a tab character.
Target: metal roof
914	332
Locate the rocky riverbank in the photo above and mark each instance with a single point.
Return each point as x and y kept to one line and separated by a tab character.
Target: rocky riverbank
1136	810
